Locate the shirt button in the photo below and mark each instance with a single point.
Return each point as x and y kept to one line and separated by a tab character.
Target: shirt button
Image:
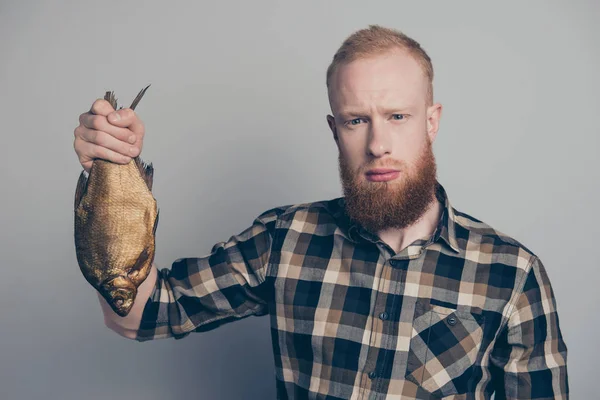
372	374
451	321
383	315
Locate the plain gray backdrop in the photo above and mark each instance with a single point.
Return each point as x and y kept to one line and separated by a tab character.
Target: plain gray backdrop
235	124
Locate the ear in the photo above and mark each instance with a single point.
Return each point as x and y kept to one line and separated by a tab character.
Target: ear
331	123
434	113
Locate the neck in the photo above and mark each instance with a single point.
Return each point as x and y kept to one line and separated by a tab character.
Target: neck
399	239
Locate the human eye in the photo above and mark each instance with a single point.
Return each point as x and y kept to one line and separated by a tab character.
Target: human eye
354	122
399	117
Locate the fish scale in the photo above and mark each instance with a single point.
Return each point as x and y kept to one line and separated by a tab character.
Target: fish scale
116	217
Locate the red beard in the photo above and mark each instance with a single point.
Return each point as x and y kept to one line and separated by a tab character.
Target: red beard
394	204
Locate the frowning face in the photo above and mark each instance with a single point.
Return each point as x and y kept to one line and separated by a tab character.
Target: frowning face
384	130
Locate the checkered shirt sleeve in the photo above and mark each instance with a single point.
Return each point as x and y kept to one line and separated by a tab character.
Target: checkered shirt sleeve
202	293
530	355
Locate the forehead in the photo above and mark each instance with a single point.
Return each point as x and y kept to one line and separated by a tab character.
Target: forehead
393	77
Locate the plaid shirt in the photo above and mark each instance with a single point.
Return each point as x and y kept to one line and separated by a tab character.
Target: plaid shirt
464	313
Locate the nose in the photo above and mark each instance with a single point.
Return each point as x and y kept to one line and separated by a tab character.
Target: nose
379	142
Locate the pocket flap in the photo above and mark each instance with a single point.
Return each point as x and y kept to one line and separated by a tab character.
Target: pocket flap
443	348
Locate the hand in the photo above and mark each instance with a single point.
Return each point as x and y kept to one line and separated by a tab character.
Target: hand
111	135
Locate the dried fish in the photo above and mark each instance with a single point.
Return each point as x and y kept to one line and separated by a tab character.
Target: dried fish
116	217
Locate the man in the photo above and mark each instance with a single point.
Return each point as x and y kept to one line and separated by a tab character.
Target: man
387	292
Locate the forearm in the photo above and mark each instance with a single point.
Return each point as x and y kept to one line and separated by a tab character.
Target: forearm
128	326
202	293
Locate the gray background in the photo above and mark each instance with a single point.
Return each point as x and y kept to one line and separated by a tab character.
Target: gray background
235	124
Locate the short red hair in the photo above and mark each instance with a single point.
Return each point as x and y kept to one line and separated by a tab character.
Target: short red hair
376	40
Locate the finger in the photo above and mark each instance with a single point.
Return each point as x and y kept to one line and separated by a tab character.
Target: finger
127	118
100	123
101	107
103	139
89	152
139	143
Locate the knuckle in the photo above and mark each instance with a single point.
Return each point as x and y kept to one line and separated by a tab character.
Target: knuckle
99	106
95	122
92	136
82	159
82	117
83	134
127	113
79	132
107	154
101	152
96	106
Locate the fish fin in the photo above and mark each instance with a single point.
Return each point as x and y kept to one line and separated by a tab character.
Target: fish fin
146	171
155	223
140	263
80	189
138	97
110	97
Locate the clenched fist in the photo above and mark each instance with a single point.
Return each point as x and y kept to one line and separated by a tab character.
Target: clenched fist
104	133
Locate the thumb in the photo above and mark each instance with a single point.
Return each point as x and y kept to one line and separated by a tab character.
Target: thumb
126	118
122	117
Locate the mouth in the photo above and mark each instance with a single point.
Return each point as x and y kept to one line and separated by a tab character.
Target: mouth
382	174
122	307
122	301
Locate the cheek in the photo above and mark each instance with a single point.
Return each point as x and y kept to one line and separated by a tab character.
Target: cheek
418	151
411	145
353	157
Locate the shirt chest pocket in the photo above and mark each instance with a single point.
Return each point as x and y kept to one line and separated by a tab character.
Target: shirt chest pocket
444	346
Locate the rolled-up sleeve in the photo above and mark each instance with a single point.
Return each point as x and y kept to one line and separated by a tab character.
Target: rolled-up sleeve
530	355
201	293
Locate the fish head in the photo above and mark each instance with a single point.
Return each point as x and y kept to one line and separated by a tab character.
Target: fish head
119	293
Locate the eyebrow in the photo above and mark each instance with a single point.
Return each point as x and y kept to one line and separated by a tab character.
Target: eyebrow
358	113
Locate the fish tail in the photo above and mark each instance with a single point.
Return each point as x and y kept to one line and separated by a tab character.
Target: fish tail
110	97
138	97
155	222
146	171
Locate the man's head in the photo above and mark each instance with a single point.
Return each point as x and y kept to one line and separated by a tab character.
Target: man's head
381	96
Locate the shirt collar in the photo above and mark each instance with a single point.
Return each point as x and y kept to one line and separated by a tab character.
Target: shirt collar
446	227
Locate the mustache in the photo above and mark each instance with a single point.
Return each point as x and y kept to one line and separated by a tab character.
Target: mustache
392	165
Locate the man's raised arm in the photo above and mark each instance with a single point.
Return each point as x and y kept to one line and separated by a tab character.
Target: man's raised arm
201	293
